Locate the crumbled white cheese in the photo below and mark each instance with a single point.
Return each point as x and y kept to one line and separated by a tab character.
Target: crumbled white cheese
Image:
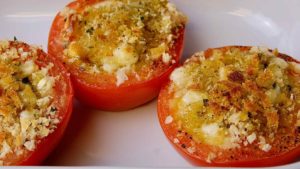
233	130
171	7
166	57
200	55
262	140
191	150
4	44
12	53
266	147
261	49
251	138
234	133
106	33
30	145
167	23
279	62
210	129
20	50
44	101
273	94
5	149
223	73
295	66
157	52
234	118
28	67
14	129
44	131
45	85
263	145
179	76
26	119
175	14
125	55
254	49
24	55
140	24
121	76
106	4
109	67
211	156
95	69
176	141
56	121
169	119
245	143
26	114
66	12
170	38
193	96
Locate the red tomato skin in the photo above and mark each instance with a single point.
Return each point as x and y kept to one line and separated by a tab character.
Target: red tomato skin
119	99
114	98
46	145
163	112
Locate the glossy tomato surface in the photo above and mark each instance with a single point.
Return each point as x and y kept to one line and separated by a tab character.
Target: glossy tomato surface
63	101
88	88
200	158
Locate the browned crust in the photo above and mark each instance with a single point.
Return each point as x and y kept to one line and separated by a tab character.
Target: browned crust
208	52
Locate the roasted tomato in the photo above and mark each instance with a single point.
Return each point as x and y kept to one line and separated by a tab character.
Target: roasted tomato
118	51
234	106
35	103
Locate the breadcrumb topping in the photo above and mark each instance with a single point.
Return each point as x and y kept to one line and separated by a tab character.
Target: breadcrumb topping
238	97
26	96
114	34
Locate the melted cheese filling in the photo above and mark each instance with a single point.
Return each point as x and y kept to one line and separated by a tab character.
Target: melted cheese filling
26	95
236	97
114	34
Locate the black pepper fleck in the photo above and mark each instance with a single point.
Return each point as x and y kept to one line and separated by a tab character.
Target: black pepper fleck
53	109
25	80
205	102
90	30
249	115
289	87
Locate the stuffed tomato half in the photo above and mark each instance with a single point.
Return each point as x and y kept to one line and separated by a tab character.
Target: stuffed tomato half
118	51
35	103
234	106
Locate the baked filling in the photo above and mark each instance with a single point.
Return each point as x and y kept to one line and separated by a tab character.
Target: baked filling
128	39
27	109
237	97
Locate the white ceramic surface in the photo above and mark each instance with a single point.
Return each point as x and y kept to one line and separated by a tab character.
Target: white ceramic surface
134	138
